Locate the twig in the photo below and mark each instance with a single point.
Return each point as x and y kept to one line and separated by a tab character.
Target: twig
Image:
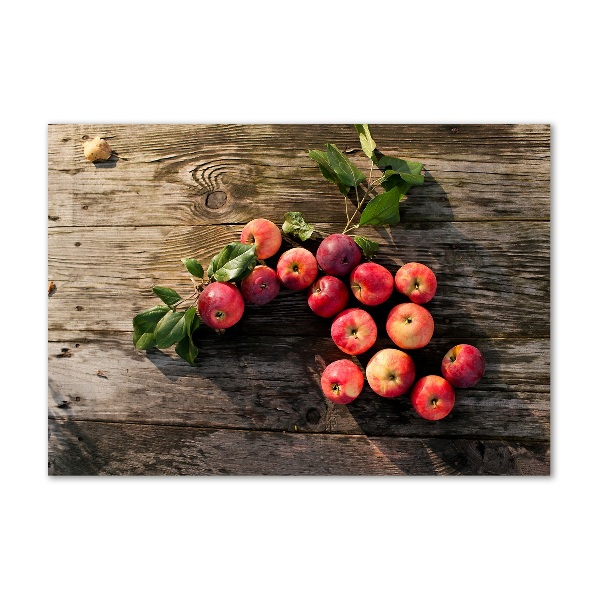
194	295
359	204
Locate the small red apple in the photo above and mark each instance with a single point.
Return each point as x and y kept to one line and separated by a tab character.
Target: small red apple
261	286
371	283
463	366
220	305
409	326
328	296
342	381
390	372
265	234
297	268
416	281
338	254
432	397
354	331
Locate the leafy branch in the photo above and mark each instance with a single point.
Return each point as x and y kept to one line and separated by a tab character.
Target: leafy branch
175	321
394	175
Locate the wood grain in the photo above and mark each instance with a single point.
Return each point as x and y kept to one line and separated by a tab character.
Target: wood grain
478	173
81	448
493	280
274	383
253	404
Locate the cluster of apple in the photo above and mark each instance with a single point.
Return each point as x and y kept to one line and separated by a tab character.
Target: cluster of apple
390	372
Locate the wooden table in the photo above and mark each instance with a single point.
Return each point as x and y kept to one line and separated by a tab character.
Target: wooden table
253	404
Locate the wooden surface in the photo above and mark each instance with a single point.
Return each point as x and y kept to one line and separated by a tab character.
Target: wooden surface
253	404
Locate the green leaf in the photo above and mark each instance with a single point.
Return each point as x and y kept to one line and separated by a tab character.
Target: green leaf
186	347
344	169
167	295
170	329
233	263
321	159
194	267
366	141
144	325
145	341
395	181
187	350
147	319
192	321
409	171
413	179
383	209
294	224
368	247
393	178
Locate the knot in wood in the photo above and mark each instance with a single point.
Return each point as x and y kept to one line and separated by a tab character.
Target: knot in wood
215	199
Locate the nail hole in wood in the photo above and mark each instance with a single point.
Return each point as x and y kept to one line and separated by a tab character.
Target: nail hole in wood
313	416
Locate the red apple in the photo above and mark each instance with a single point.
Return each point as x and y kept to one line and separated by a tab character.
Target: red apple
463	366
328	296
432	397
416	281
261	286
354	331
342	381
220	305
390	372
338	254
297	268
409	326
265	234
371	283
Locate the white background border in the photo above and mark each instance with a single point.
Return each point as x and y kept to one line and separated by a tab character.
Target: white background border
315	62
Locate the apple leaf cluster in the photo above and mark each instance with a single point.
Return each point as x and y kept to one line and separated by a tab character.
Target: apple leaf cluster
235	262
396	177
294	224
166	324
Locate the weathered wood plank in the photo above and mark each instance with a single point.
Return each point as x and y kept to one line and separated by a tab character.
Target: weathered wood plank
273	383
481	222
493	280
79	448
481	172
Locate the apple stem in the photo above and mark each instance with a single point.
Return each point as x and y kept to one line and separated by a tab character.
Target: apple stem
370	186
194	296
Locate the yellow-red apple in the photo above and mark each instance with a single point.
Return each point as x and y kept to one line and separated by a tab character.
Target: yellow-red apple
265	234
416	281
432	397
342	381
354	331
390	372
297	268
409	326
371	283
463	366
